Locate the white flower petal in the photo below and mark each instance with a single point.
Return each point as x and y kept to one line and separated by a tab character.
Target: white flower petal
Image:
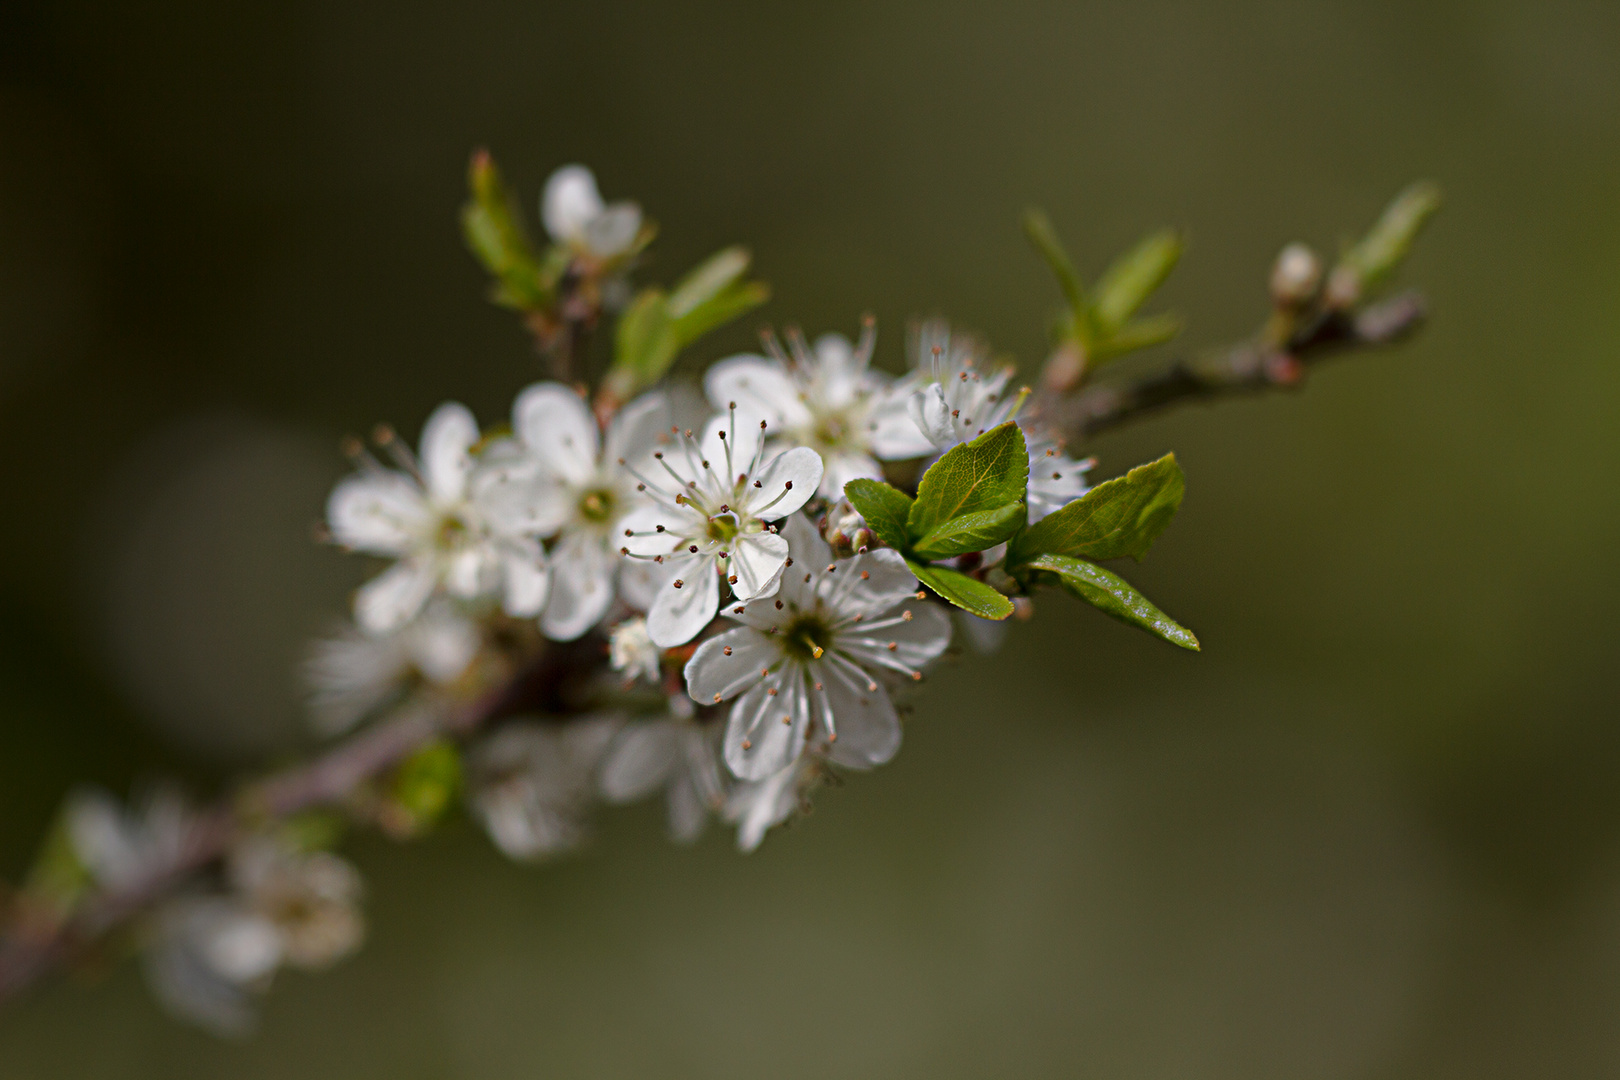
758	806
570	202
377	512
638	582
931	413
891	432
527	580
889	582
761	389
756	561
447	439
916	642
728	663
640	760
865	721
392	598
535	505
441	645
581	584
645	536
633	432
612	231
766	730
844	467
794	476
472	571
557	426
679	614
688	814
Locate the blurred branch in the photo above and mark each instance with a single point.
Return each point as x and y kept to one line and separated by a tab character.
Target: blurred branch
33	945
1250	367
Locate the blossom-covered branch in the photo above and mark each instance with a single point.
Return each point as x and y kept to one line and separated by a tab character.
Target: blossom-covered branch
717	596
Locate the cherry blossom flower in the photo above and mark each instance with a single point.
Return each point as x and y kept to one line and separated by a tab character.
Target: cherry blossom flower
631	651
806	663
955	396
574	214
531	783
1055	479
427	515
828	399
558	475
712	502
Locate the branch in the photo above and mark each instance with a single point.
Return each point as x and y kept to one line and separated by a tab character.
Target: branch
34	947
1247	368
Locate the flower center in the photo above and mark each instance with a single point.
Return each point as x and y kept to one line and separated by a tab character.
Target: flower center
806	637
723	528
596	505
451	534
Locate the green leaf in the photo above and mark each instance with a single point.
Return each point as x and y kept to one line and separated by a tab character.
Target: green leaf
975	531
985	474
644	345
493	228
884	509
1382	250
734	301
1133	277
425	783
1038	227
1120	517
969	594
1139	334
1115	596
707	280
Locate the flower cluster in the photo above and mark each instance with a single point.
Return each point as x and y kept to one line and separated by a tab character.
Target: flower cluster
643	590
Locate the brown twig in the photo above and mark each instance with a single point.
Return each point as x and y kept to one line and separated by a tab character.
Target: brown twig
1249	367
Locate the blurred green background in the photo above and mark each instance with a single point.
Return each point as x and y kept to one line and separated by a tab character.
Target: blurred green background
1372	831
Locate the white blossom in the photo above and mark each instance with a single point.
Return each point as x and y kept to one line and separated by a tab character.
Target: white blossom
955	397
311	898
757	806
712	501
531	783
574	214
1055	479
119	848
632	651
352	673
804	662
828	399
559	475
673	752
208	957
427	515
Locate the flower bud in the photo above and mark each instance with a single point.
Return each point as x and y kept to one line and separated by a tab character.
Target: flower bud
1343	288
1295	276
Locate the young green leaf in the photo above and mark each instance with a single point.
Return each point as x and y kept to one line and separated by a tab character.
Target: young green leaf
1133	277
884	509
975	531
644	345
1138	334
732	302
1122	516
494	231
707	280
1038	227
969	594
1114	596
985	474
1384	247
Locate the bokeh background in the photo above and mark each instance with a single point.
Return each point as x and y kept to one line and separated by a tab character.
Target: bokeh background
1372	831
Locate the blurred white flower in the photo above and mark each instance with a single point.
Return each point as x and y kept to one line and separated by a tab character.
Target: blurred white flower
674	753
428	516
311	898
531	783
803	661
828	399
708	519
353	673
632	651
1055	479
208	957
558	475
756	806
953	396
118	847
574	214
